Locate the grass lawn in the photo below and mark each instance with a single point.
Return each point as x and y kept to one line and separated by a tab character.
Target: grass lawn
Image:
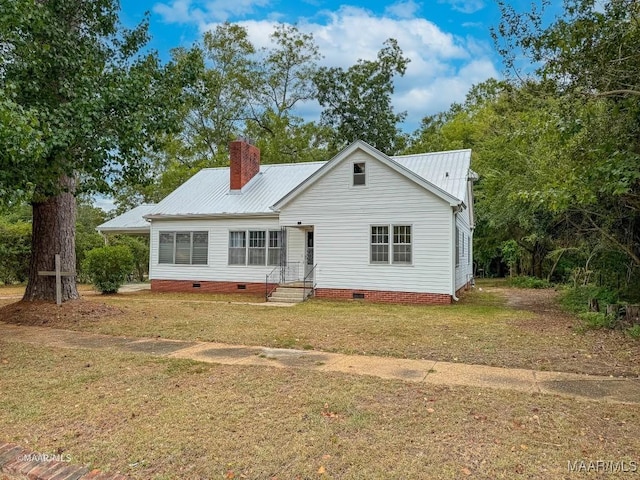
485	327
158	418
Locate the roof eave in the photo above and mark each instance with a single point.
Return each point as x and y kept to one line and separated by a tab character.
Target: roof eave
204	216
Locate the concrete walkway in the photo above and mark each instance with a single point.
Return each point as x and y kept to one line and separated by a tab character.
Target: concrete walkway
588	387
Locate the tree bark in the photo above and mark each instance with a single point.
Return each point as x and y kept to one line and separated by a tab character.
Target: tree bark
53	231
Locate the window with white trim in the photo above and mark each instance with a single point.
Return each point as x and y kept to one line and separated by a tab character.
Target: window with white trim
380	244
255	247
359	177
402	244
238	248
275	247
183	248
391	244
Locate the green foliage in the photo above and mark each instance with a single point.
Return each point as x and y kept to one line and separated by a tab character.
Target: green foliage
596	320
108	267
139	248
15	251
577	299
634	332
357	101
528	282
77	96
87	219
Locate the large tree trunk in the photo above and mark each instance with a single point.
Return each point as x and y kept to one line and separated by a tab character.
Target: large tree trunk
54	231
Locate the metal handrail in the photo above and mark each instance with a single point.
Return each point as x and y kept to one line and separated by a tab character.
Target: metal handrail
312	282
268	291
281	274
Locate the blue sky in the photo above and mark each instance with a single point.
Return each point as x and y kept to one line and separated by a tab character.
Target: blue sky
447	41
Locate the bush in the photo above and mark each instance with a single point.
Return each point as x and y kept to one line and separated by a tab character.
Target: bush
15	251
597	320
576	299
634	332
528	282
108	267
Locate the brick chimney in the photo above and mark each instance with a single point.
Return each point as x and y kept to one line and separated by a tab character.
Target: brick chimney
244	162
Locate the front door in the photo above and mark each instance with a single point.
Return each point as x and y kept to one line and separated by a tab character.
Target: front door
308	264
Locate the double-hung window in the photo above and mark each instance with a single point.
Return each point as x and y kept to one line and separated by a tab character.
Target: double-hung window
380	244
391	244
402	244
359	176
183	248
237	248
255	247
275	247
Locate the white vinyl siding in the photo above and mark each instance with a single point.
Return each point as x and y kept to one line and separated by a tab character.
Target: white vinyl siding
217	267
464	264
183	248
342	216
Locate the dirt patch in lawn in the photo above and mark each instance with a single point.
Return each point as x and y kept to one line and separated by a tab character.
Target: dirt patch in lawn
603	351
50	314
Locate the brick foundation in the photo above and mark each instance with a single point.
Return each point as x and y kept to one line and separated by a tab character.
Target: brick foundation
207	286
18	463
384	296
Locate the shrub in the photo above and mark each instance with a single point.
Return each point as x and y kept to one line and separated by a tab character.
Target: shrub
528	282
108	267
576	299
597	320
634	332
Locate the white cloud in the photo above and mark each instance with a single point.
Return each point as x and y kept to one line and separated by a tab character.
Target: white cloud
403	9
184	11
465	6
442	69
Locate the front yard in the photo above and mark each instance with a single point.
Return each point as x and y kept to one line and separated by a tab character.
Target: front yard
162	418
158	418
490	325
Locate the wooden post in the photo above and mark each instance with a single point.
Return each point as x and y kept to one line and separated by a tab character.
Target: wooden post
58	273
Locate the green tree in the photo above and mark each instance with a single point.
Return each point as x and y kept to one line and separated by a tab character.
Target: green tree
87	105
589	55
286	80
15	250
357	101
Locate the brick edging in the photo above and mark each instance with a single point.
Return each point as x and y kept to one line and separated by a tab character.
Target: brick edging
18	463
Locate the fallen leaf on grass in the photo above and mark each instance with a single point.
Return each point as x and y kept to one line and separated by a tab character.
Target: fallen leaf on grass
430	410
230	474
466	471
321	470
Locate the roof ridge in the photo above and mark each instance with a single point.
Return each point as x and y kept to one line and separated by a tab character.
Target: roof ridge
433	153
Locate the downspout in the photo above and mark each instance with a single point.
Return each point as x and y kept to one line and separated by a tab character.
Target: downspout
456	209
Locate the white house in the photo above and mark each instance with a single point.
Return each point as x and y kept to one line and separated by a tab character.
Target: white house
361	225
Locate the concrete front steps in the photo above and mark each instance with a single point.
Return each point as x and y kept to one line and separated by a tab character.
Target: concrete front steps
290	293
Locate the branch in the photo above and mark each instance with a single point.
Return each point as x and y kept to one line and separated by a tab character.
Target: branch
618	92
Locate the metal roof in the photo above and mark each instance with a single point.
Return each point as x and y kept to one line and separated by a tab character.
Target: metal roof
207	193
129	222
447	170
